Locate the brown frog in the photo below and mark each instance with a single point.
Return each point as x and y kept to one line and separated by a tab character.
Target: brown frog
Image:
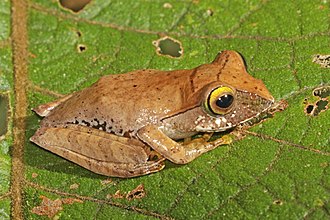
126	125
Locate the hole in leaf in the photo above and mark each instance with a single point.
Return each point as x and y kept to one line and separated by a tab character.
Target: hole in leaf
277	202
78	33
209	12
309	109
81	48
74	5
322	60
322	92
4	107
321	105
168	46
167	5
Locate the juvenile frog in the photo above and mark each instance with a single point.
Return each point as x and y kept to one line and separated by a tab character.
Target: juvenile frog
126	125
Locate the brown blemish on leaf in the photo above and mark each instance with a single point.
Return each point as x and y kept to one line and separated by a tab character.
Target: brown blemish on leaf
117	195
322	60
74	186
34	175
73	6
167	46
106	182
137	193
50	207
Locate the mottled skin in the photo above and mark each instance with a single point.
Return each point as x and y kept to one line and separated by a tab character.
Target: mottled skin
116	126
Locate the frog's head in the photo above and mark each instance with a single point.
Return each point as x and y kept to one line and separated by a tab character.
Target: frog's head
223	107
234	97
224	95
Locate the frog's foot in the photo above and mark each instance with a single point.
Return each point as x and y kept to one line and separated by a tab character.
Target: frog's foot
175	152
98	151
44	109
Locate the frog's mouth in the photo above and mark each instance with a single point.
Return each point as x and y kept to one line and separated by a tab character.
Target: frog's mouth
247	110
266	113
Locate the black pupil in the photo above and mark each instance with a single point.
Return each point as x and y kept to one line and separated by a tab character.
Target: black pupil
224	101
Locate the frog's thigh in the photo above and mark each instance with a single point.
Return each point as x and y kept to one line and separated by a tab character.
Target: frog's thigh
175	152
98	151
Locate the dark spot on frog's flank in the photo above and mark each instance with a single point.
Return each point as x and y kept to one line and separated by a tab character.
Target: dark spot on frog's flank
245	82
234	77
86	123
102	126
256	87
134	86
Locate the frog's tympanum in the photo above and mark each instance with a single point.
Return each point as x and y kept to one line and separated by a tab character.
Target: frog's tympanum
126	125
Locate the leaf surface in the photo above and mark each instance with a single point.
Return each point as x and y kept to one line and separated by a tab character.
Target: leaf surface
279	170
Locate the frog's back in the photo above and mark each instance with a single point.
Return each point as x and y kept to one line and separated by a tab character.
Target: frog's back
124	102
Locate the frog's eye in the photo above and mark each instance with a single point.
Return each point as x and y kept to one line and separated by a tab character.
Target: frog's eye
220	100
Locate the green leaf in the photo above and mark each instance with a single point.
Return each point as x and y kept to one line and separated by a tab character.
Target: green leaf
6	93
280	170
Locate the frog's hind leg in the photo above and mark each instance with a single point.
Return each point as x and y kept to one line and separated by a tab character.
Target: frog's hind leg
44	109
98	151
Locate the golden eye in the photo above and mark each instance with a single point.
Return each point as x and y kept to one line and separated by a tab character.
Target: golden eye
220	100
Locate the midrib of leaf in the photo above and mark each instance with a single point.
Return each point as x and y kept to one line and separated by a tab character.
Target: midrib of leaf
20	56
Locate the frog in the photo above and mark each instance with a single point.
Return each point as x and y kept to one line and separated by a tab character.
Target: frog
128	125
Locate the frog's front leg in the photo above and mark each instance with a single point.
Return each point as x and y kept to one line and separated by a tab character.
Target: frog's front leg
176	152
98	151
